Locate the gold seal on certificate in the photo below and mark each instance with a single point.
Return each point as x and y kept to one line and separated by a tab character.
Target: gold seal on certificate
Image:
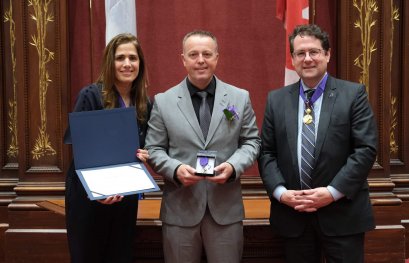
205	163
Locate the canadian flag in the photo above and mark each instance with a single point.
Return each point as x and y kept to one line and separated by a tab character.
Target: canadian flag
292	13
120	17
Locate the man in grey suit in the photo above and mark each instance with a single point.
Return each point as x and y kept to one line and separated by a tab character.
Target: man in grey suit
202	211
317	154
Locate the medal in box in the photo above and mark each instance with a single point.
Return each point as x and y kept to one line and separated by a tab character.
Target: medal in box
205	163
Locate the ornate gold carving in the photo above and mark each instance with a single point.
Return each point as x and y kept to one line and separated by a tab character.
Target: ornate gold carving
366	10
12	150
42	16
394	147
394	17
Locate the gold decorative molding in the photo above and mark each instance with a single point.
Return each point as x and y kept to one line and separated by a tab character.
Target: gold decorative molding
12	150
394	147
366	10
42	16
394	17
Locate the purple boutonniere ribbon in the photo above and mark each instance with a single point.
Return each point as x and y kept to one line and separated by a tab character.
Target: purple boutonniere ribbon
231	113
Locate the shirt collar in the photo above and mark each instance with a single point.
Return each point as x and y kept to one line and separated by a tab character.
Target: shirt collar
211	88
319	83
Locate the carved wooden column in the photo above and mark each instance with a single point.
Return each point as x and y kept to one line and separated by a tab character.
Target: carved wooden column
371	45
11	79
399	108
9	75
34	103
35	60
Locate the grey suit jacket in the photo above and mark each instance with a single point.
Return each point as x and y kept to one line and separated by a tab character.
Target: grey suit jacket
174	137
346	148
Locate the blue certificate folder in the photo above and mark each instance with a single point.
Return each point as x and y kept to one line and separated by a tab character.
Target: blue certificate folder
104	144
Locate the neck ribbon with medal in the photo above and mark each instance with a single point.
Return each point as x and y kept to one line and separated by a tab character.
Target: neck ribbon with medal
307	119
309	102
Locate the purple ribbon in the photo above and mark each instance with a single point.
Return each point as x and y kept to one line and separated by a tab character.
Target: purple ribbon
318	92
121	102
203	161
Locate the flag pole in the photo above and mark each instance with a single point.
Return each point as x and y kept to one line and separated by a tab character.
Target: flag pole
312	11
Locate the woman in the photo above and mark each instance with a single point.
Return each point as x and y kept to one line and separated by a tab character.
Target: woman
103	231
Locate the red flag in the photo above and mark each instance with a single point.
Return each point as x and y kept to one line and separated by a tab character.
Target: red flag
292	13
280	9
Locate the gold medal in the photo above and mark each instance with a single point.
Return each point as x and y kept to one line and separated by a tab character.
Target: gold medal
307	119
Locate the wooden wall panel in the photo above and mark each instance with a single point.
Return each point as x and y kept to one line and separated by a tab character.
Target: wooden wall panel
399	96
48	243
9	59
361	59
382	239
45	245
10	26
400	108
35	55
9	95
373	52
399	150
33	101
371	47
370	43
46	53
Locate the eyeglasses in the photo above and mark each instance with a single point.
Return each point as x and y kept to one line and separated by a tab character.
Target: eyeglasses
313	53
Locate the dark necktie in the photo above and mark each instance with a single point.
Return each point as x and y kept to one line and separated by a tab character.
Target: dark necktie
307	146
204	113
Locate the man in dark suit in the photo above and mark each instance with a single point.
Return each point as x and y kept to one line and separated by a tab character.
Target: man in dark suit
202	211
317	152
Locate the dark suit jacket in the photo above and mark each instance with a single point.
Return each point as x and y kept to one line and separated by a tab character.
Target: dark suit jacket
345	152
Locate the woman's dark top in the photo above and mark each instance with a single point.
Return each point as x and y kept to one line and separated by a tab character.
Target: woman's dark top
98	232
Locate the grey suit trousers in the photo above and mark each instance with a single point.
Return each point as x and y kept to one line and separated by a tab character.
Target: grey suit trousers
222	243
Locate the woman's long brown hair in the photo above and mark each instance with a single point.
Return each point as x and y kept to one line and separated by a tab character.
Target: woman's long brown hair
139	93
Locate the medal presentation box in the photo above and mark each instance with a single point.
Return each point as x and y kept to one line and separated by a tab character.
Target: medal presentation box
205	163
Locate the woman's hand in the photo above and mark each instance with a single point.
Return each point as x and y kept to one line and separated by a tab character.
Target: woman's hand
111	199
142	155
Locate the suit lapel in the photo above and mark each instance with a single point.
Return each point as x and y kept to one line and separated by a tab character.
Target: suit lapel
186	108
327	107
220	103
291	121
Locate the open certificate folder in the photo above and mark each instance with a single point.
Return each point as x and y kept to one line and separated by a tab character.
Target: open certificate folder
104	143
